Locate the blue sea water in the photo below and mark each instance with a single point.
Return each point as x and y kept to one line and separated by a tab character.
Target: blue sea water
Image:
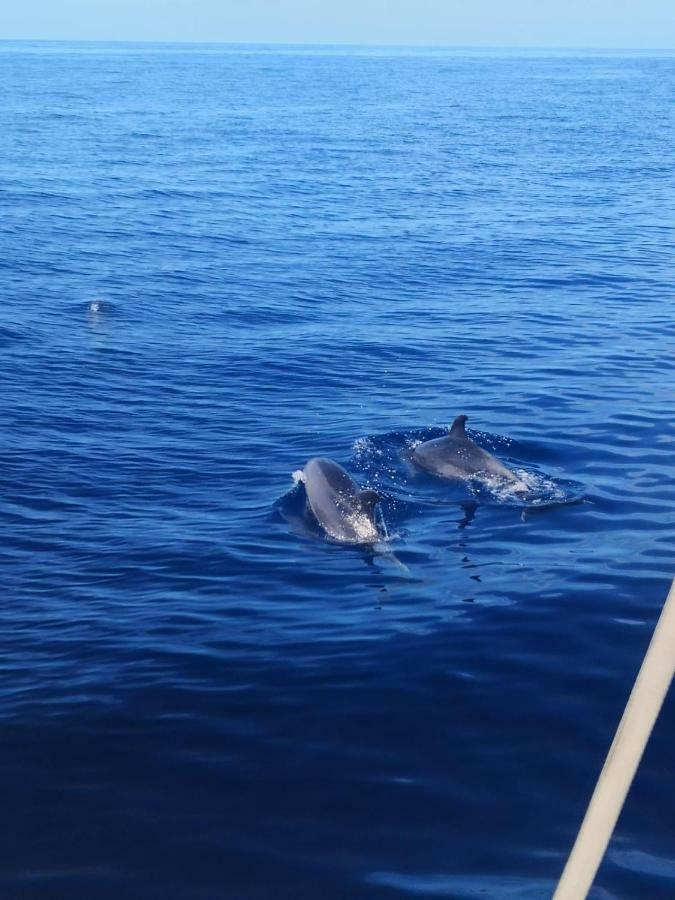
219	261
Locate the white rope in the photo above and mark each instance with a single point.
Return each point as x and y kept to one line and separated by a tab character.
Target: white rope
642	710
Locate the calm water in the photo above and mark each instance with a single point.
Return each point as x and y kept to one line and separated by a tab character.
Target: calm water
298	252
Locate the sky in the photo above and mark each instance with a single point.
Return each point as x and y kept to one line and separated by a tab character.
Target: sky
499	23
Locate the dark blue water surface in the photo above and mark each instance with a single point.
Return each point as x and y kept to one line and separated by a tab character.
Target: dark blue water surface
217	262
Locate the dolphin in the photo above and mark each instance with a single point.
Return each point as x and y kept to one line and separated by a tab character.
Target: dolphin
345	513
99	307
457	456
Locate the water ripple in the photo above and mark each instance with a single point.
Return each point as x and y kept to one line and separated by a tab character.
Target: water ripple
221	261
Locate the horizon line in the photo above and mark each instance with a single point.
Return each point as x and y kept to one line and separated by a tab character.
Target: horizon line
416	45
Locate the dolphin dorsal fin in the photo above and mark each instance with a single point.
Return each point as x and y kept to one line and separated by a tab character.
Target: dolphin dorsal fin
457	429
369	500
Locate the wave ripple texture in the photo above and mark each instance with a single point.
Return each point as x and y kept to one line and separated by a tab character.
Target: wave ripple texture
218	262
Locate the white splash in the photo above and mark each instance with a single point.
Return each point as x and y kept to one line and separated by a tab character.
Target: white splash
536	488
363	445
364	527
298	476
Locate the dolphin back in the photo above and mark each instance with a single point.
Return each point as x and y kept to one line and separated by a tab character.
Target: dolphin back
345	513
457	456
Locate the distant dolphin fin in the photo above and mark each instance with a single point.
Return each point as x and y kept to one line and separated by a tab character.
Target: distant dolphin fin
457	429
369	500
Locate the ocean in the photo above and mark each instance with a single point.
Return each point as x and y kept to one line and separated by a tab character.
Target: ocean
217	262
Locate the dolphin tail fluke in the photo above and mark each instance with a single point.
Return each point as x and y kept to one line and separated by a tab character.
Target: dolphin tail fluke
385	553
